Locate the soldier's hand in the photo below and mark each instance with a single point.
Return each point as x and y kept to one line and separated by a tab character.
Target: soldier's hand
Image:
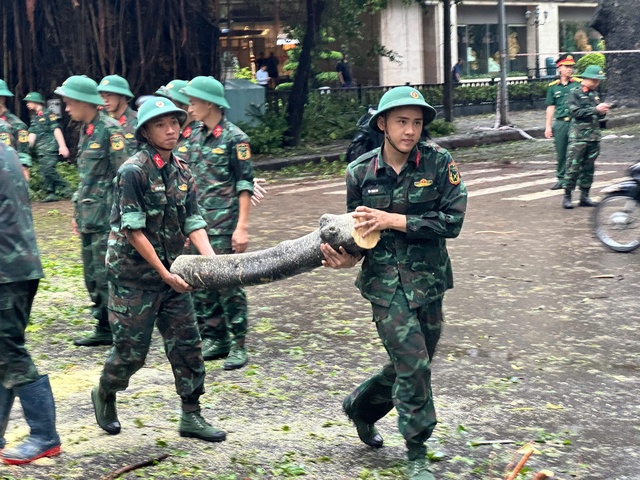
548	133
177	283
258	191
371	220
337	259
64	151
74	227
239	240
603	107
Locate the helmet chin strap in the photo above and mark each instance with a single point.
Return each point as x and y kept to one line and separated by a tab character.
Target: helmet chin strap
388	139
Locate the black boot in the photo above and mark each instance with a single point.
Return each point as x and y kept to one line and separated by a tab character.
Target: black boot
585	201
558	186
104	406
566	202
6	402
40	413
101	336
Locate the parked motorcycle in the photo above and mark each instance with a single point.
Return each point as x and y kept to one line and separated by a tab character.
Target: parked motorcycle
617	216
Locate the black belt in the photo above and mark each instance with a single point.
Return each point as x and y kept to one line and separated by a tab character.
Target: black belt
563	119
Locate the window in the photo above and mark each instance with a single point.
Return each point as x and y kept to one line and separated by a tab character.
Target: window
478	46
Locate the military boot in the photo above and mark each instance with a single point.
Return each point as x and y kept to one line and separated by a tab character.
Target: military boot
6	402
101	336
558	186
585	201
193	425
238	357
40	413
566	202
214	348
104	407
417	470
367	432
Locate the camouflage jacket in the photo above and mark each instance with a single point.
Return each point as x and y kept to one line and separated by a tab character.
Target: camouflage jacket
220	162
18	248
186	132
557	96
430	192
101	151
43	124
20	136
585	119
158	198
129	121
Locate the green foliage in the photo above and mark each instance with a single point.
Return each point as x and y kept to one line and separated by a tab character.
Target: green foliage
590	59
327	78
284	86
330	117
441	128
68	172
267	133
244	73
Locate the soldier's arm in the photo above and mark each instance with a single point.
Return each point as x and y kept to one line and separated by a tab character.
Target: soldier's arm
62	145
551	110
32	139
200	240
578	109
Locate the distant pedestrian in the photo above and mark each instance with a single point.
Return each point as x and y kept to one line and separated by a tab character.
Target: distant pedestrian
558	113
586	110
116	94
19	130
272	69
262	76
456	72
260	61
20	274
345	79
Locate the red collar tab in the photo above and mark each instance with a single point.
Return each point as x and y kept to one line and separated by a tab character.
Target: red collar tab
418	158
585	89
217	131
186	133
122	120
157	159
40	113
90	129
2	117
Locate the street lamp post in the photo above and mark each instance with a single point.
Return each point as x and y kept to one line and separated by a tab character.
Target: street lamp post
536	24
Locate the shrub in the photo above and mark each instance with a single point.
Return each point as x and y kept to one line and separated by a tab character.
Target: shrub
590	59
441	128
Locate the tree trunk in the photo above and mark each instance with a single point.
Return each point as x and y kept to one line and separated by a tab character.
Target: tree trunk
619	28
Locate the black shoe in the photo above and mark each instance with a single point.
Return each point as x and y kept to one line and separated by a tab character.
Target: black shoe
558	186
367	432
105	410
567	203
97	338
587	202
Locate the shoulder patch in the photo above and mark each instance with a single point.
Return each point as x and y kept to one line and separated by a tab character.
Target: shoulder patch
243	150
117	141
23	136
5	138
555	82
454	175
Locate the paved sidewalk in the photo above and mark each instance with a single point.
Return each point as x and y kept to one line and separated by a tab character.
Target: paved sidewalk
471	131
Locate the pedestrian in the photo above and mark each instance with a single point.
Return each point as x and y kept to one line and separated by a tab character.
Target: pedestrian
586	110
154	211
558	113
411	192
272	69
456	72
45	136
116	94
20	274
260	61
262	76
101	150
19	132
345	79
219	155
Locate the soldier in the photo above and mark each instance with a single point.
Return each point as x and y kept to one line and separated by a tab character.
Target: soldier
154	211
19	129
46	137
558	112
219	156
116	94
172	91
101	150
20	273
586	111
410	191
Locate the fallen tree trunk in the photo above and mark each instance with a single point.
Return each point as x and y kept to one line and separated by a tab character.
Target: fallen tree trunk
286	259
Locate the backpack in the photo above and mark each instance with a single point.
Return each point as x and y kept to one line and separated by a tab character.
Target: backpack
365	139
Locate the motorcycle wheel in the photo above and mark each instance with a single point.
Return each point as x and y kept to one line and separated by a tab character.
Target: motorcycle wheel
617	223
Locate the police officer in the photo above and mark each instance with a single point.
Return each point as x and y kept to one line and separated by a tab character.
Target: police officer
410	191
586	110
116	93
558	113
154	211
20	273
101	151
219	155
46	137
19	132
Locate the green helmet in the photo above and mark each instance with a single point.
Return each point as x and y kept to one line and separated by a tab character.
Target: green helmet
208	89
34	97
4	89
81	88
156	107
594	72
402	97
172	90
115	84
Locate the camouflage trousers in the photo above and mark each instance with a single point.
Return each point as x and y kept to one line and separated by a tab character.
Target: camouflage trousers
16	366
94	250
218	311
410	338
581	161
132	315
51	179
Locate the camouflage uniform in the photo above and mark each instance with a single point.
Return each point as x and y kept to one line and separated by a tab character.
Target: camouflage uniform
101	151
20	273
128	121
160	199
584	138
557	96
220	164
186	133
405	278
20	136
43	124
